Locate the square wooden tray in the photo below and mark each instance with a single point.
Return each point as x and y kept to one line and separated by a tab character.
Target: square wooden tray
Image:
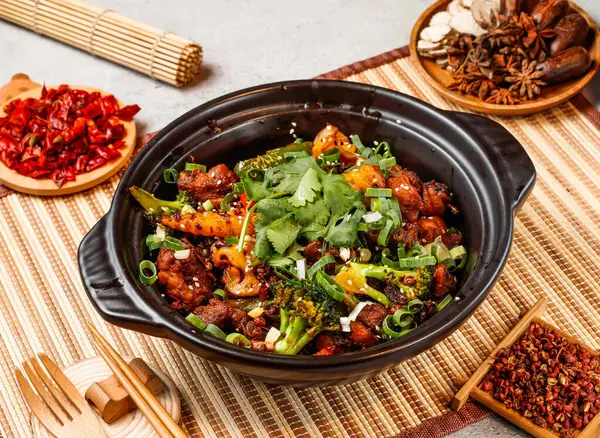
471	387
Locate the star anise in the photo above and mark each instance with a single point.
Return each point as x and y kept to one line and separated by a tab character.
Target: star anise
475	84
534	39
502	96
526	81
478	61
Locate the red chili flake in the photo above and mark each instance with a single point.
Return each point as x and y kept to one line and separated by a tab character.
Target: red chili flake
66	132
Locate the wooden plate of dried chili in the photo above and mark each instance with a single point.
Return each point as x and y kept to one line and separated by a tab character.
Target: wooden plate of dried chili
552	95
101	150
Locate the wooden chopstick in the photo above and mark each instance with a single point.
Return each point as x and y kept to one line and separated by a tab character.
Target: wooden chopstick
160	419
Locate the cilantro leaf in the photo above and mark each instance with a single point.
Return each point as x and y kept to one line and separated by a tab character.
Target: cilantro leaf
339	196
286	177
313	219
268	211
308	187
344	233
255	189
292	254
283	232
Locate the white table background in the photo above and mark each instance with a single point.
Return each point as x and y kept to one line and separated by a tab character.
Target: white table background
245	43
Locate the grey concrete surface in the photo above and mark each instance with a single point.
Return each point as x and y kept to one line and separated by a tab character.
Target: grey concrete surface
245	43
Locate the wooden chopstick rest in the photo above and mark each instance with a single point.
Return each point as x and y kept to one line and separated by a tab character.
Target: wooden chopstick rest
111	399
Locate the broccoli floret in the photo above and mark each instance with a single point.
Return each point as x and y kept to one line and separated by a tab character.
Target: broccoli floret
353	278
156	208
283	293
308	315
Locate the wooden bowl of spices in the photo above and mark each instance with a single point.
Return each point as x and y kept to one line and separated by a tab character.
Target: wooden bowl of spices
540	379
58	140
488	92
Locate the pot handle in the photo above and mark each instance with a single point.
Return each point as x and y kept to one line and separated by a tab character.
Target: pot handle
512	164
111	294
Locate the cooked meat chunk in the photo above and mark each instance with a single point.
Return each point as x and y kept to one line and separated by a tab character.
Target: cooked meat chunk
429	309
372	315
185	280
313	250
331	137
431	227
202	186
365	176
452	239
395	294
406	188
242	323
361	334
443	282
407	235
436	197
334	342
215	312
434	226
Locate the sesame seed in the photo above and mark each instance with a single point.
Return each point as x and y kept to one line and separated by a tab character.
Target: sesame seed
398	121
212	174
375	142
197	284
350	282
195	278
182	226
397	189
294	135
423	240
294	123
190	287
292	131
456	298
239	217
219	182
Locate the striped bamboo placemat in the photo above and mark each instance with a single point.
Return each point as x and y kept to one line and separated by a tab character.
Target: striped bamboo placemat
555	253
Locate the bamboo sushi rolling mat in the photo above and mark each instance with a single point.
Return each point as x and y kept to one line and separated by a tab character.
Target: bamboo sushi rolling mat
556	253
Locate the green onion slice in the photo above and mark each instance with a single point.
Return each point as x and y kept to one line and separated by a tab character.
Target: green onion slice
387	261
447	300
147	279
330	155
319	264
386	163
219	293
215	331
458	252
415	262
173	243
401	251
194	320
170	175
366	153
208	206
153	242
229	197
416	250
334	290
395	218
384	234
403	318
238	339
385	147
232	240
387	323
415	306
194	166
299	140
356	141
374	191
287	275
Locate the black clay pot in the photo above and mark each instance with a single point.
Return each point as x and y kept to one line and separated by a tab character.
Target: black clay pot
487	169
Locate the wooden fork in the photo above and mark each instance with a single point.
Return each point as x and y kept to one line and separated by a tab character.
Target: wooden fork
57	404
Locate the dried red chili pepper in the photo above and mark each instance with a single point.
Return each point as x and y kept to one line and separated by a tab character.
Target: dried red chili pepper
64	133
